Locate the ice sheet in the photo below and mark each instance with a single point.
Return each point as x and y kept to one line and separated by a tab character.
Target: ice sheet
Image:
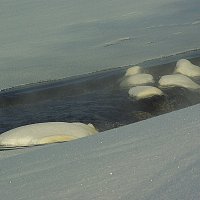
42	40
151	160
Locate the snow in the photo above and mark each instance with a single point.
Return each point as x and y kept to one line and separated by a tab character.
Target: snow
45	40
145	160
155	159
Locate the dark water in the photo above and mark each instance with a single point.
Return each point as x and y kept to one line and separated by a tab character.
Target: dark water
95	98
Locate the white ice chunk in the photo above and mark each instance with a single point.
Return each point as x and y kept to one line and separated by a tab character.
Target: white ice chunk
185	67
137	79
44	133
142	92
133	70
178	80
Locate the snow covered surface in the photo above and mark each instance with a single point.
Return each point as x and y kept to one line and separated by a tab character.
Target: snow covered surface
42	40
150	160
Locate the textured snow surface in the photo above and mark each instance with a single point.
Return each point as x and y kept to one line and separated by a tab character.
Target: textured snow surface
151	160
156	159
42	40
